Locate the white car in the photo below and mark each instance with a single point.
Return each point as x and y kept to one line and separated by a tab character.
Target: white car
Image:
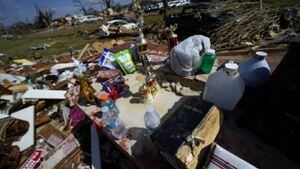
182	3
87	18
123	23
117	25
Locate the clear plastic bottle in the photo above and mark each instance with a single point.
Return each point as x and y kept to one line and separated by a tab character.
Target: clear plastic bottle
113	123
152	119
106	101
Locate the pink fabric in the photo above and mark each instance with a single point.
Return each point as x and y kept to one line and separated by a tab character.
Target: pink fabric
76	115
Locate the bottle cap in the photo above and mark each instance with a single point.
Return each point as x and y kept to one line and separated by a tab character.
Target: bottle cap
103	97
150	109
260	55
104	109
231	68
211	51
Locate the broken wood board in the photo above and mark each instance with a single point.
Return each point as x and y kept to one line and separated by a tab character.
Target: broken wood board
61	66
26	114
248	51
44	94
83	51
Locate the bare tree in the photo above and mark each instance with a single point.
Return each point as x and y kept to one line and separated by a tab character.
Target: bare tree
89	5
43	17
82	5
1	25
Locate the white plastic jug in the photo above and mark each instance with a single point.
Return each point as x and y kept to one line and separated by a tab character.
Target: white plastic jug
255	71
225	87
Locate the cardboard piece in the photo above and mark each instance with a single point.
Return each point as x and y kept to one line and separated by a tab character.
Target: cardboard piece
52	135
44	94
61	152
222	158
26	114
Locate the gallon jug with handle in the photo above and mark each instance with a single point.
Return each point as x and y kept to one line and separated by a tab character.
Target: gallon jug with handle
225	87
255	71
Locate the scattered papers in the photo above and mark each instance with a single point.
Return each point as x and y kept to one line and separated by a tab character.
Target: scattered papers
63	150
13	79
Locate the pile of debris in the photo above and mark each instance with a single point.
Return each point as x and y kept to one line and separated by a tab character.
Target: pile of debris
252	26
245	30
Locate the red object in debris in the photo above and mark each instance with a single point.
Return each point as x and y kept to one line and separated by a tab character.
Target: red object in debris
34	160
114	94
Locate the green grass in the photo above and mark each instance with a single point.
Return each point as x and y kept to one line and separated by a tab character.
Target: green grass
61	39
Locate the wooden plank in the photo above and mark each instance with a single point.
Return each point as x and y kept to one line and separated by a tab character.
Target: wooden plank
83	51
44	94
247	51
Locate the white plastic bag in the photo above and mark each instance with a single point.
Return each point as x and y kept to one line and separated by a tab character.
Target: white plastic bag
187	55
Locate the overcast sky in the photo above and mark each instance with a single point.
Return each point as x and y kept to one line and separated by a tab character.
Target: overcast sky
12	11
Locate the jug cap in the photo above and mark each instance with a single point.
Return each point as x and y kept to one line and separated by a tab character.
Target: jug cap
103	97
211	51
231	68
260	55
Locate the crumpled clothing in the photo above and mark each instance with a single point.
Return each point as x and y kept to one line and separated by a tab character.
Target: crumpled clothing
76	115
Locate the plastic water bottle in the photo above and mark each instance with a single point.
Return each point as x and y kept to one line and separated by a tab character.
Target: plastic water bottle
255	71
152	119
208	61
106	101
225	87
113	123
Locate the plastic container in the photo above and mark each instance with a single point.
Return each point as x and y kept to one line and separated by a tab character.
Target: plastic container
225	87
208	61
113	123
152	119
106	101
255	71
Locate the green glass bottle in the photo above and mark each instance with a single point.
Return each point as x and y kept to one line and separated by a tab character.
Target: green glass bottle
208	61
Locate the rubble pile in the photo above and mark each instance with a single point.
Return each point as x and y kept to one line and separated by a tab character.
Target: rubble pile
245	30
156	32
252	25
